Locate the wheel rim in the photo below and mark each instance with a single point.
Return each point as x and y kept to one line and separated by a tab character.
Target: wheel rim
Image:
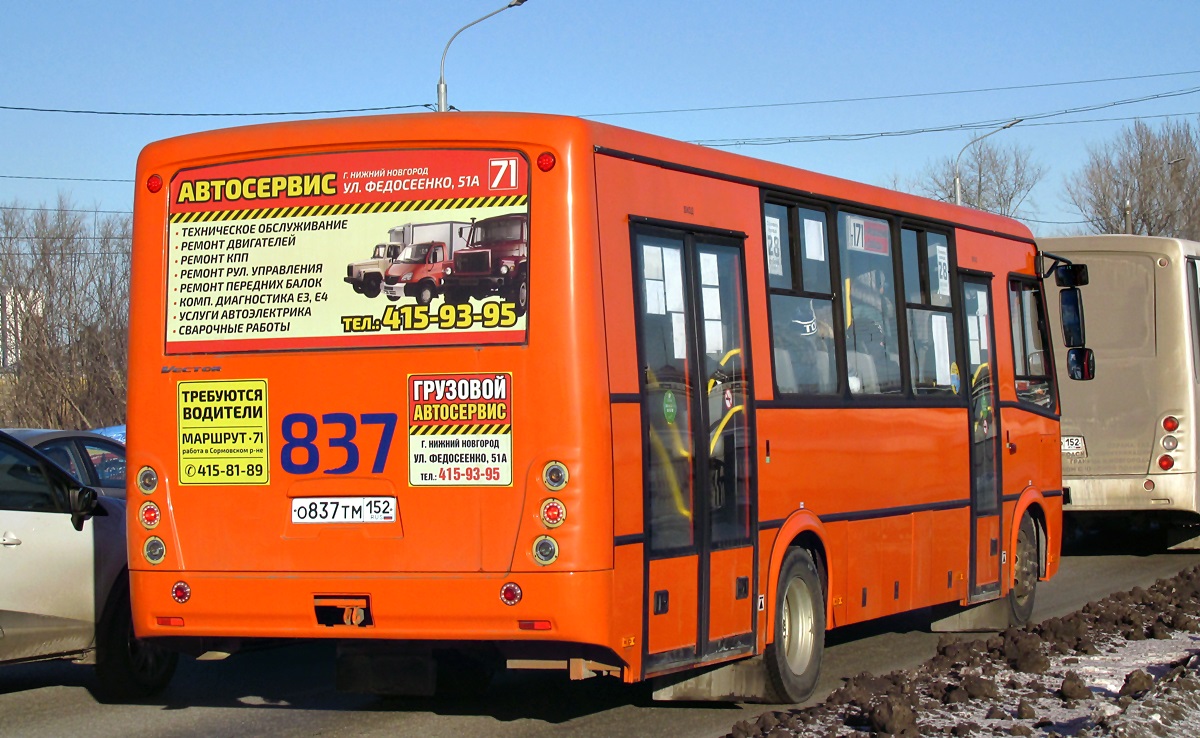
523	293
798	626
426	296
1025	568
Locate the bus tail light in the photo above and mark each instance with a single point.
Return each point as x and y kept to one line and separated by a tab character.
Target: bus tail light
181	592
510	593
555	476
1170	424
1148	485
154	550
175	622
553	512
147	480
154	183
546	161
1165	462
545	550
149	515
1170	443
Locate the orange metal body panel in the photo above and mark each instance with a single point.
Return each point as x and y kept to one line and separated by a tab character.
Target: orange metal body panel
677	627
727	615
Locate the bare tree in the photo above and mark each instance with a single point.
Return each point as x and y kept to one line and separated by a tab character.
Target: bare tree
64	301
1144	181
994	177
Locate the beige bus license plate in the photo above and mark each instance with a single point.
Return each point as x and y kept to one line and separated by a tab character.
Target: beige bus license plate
343	509
1073	446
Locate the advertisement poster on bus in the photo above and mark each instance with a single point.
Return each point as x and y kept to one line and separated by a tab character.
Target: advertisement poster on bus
460	430
354	249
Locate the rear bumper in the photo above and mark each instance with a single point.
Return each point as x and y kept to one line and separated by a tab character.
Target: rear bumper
441	607
1172	492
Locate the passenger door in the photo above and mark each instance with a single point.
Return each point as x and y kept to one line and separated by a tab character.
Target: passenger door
698	445
47	599
984	421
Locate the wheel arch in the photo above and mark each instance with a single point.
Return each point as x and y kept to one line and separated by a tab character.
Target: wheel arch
802	529
1032	502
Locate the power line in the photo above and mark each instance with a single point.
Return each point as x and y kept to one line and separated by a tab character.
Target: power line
66	210
777	140
875	98
27	109
65	179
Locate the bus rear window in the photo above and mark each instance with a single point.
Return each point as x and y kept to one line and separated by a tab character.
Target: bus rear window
343	250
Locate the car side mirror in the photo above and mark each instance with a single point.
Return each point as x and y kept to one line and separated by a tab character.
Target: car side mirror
1071	275
1070	304
1081	363
83	504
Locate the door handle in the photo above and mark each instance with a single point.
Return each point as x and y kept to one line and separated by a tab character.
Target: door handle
8	539
1012	447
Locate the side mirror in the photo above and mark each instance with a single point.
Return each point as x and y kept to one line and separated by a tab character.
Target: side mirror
83	504
1081	363
1070	304
1071	275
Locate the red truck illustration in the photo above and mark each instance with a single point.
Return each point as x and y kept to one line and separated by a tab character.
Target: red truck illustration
417	270
494	262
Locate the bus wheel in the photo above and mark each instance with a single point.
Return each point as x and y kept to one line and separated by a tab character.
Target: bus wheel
371	285
425	294
793	660
128	667
1025	573
520	294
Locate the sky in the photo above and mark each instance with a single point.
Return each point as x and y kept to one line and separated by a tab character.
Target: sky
773	66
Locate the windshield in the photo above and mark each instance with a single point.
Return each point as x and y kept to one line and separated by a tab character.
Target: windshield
414	254
508	229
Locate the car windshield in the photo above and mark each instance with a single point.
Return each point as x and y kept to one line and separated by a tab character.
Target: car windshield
508	229
414	254
380	251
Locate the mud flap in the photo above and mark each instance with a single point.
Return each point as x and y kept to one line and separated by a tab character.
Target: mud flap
739	681
994	615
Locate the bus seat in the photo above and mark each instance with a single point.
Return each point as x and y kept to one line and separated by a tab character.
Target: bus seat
785	375
862	366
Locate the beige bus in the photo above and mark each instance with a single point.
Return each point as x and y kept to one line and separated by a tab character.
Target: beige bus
1127	448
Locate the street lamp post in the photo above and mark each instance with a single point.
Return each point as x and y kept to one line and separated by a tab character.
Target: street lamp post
442	105
957	180
1129	192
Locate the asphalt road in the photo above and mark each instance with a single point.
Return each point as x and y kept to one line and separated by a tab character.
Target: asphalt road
289	691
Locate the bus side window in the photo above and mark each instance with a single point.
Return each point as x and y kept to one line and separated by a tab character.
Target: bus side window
798	272
931	349
1032	367
872	343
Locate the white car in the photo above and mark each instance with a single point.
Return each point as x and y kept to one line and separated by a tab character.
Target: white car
64	581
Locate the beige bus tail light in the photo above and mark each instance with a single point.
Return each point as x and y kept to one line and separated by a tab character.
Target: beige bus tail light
149	515
1170	424
555	476
147	480
545	550
1170	443
154	550
1165	462
553	513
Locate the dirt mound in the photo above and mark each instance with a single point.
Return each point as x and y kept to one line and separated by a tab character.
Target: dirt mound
1054	678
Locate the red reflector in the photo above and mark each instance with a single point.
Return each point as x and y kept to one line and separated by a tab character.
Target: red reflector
174	622
1165	462
1170	424
546	161
534	624
154	183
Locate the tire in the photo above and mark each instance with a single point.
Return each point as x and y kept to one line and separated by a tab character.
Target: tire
520	294
1025	573
371	285
793	659
127	667
425	293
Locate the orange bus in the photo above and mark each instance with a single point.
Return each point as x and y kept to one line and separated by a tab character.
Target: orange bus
674	414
